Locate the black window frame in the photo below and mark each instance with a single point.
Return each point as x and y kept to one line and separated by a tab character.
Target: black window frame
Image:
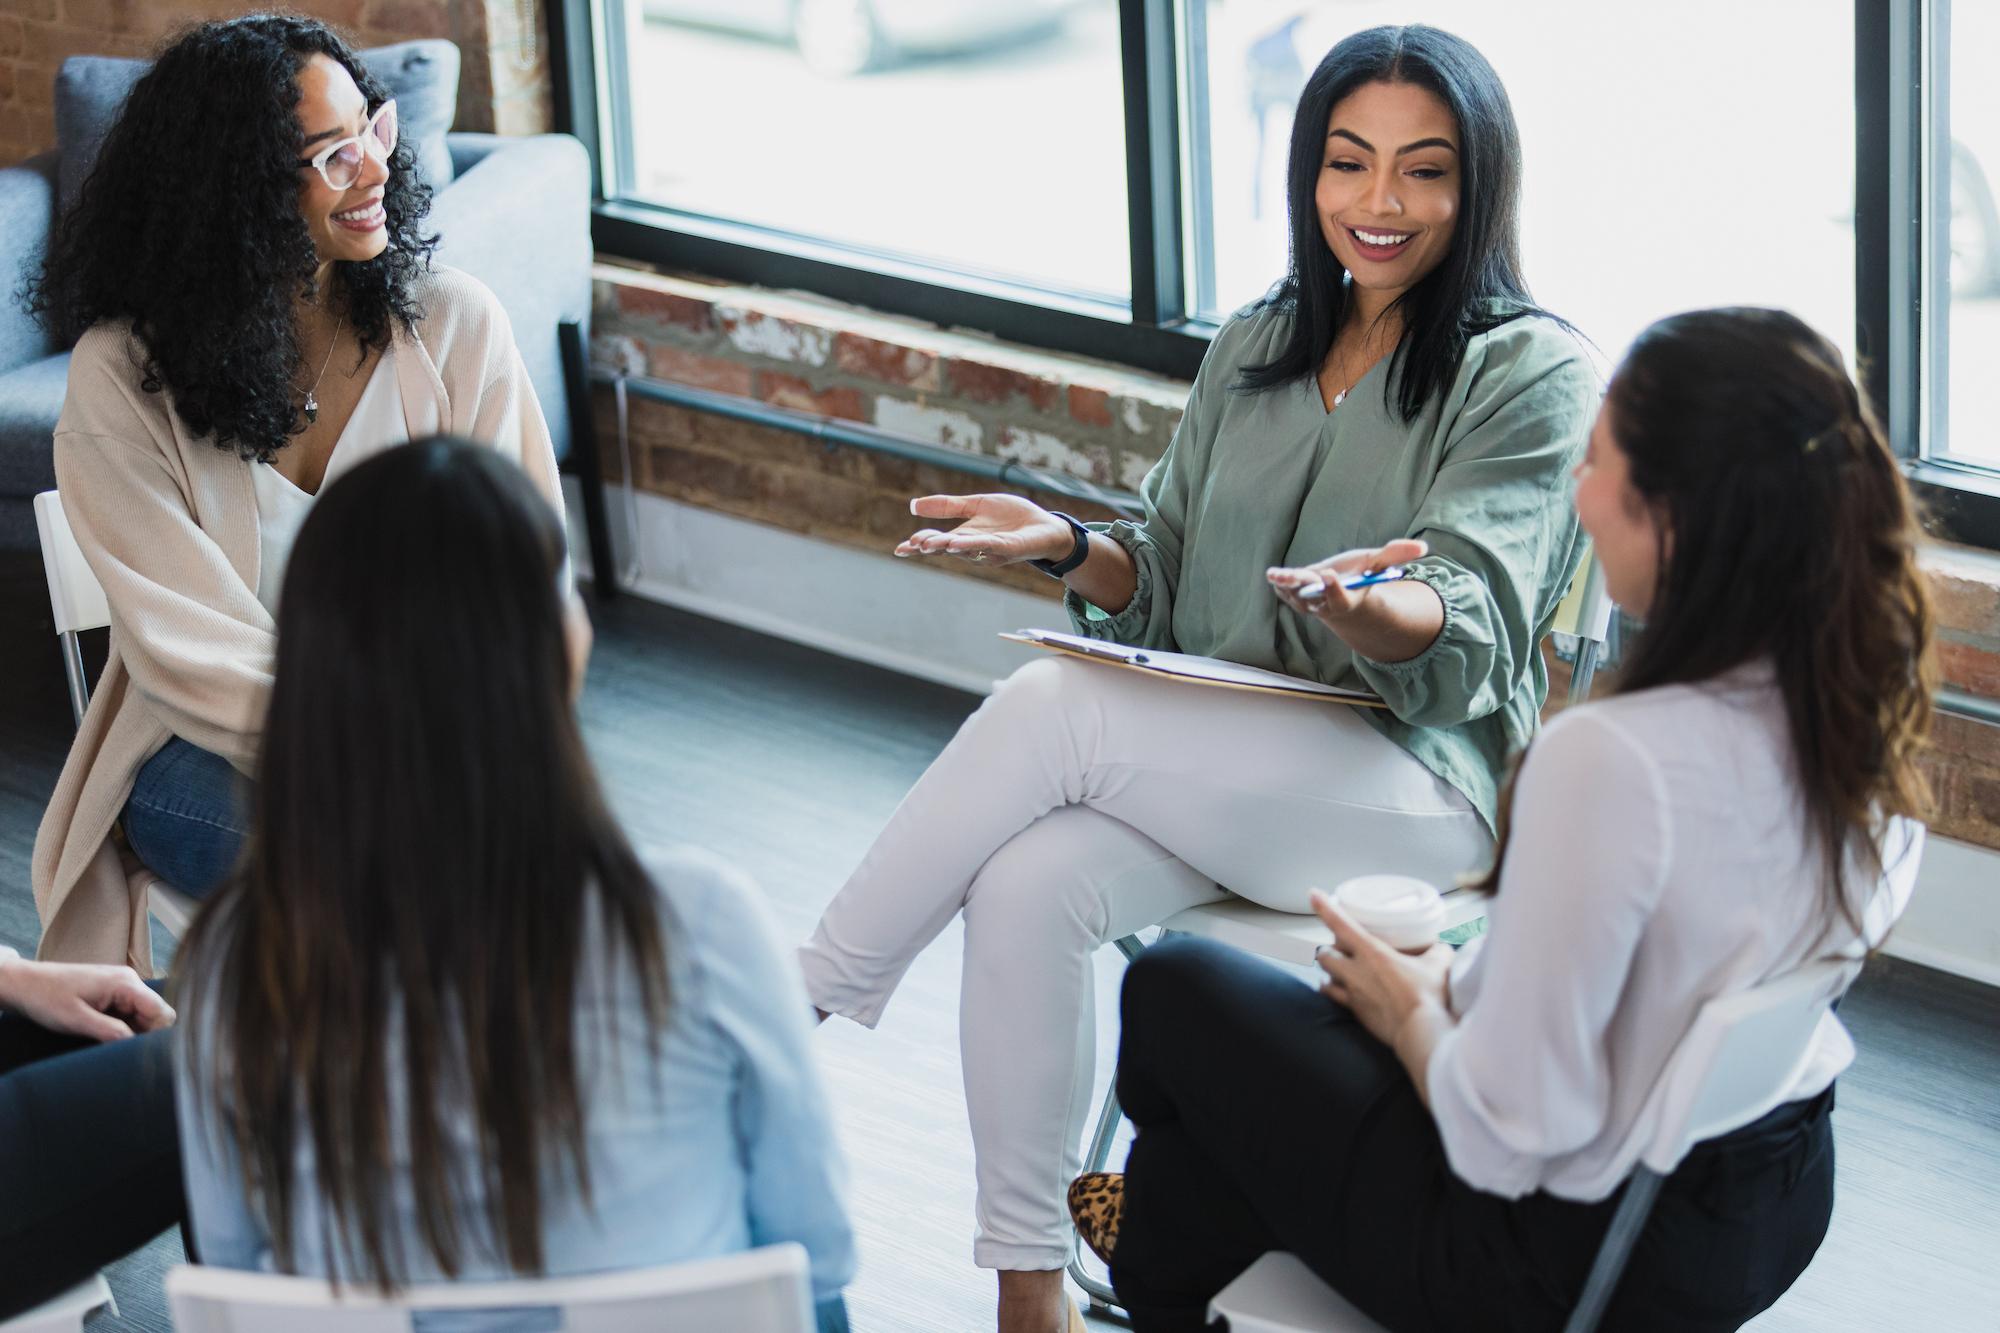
1156	333
1160	333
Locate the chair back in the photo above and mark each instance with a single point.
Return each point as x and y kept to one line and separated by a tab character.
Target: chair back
1744	1051
76	598
1585	610
759	1291
65	1313
1740	1057
75	595
1585	615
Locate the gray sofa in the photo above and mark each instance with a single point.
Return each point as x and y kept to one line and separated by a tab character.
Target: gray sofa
514	212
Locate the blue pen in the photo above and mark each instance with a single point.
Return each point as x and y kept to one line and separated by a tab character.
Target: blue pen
1312	592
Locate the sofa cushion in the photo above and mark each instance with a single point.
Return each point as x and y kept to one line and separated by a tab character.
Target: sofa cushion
27	211
31	399
422	76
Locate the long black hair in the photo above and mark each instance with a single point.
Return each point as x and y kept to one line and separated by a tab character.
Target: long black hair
188	230
1478	286
1786	535
428	843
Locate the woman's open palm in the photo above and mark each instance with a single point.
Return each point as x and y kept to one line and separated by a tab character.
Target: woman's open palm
996	529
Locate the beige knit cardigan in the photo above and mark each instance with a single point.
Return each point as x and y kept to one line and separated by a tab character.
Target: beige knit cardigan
169	525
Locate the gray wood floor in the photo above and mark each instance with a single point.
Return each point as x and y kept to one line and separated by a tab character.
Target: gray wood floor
788	761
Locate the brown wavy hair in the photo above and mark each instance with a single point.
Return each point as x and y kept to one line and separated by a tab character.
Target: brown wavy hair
1786	535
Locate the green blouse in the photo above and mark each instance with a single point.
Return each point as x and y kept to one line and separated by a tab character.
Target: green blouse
1268	478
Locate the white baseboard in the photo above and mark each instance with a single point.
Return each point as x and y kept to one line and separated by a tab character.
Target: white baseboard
942	628
873	608
1953	920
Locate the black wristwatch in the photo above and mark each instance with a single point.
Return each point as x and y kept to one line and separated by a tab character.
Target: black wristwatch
1078	553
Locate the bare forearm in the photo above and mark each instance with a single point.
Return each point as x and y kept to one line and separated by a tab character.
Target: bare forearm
1394	622
1107	578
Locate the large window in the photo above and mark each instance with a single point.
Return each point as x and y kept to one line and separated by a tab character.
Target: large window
983	138
1107	176
1928	298
1964	238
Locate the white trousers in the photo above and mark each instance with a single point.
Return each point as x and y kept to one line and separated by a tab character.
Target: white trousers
1078	804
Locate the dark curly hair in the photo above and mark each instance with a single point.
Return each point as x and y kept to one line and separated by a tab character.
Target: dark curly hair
188	230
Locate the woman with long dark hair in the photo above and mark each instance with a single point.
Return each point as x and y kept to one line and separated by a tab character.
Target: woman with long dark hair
442	1023
1445	1141
1399	400
247	274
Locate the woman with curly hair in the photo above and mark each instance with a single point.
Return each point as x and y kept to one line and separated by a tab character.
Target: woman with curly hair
256	312
1444	1138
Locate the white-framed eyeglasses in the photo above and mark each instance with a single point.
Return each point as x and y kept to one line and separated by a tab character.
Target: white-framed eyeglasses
339	163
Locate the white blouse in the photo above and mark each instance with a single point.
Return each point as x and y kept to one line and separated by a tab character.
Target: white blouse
377	424
1660	858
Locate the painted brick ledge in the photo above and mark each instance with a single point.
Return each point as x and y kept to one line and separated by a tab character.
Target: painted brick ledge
1103	423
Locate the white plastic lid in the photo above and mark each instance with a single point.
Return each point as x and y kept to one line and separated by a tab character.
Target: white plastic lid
1393	906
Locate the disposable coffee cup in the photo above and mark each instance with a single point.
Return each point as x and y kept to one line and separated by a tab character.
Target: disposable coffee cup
1405	912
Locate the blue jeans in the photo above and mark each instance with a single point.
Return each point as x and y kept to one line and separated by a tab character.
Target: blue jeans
187	817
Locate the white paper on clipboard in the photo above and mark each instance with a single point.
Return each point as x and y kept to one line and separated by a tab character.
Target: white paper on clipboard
1186	666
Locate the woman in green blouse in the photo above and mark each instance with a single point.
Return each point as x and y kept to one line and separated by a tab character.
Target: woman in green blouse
1398	399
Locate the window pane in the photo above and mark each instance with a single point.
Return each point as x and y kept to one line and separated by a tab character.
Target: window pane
1677	155
1967	430
986	138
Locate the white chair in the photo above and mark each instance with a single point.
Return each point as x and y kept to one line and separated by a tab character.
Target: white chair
1737	1061
759	1291
77	600
64	1313
1290	937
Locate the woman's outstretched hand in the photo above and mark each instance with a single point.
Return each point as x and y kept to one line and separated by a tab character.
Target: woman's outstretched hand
996	530
1315	590
82	999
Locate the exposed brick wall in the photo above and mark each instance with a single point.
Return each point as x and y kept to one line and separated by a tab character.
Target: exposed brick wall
1102	423
1965	764
503	83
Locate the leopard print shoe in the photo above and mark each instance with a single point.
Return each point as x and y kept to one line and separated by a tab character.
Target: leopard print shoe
1097	1206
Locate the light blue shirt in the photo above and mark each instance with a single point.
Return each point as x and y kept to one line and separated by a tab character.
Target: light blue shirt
724	1145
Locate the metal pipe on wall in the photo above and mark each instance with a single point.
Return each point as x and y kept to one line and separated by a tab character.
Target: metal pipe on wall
833	433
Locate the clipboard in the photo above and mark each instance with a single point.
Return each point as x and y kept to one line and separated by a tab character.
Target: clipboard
1192	670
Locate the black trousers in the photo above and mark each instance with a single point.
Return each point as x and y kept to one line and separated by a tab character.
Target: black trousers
90	1158
1269	1119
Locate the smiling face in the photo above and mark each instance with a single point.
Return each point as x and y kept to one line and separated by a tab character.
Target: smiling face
345	225
1389	185
1626	533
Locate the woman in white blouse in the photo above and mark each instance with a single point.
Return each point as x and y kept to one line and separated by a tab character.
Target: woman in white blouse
247	276
1443	1138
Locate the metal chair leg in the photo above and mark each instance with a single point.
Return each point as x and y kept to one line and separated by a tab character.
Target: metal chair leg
1619	1238
589	463
79	681
1583	669
1102	1140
